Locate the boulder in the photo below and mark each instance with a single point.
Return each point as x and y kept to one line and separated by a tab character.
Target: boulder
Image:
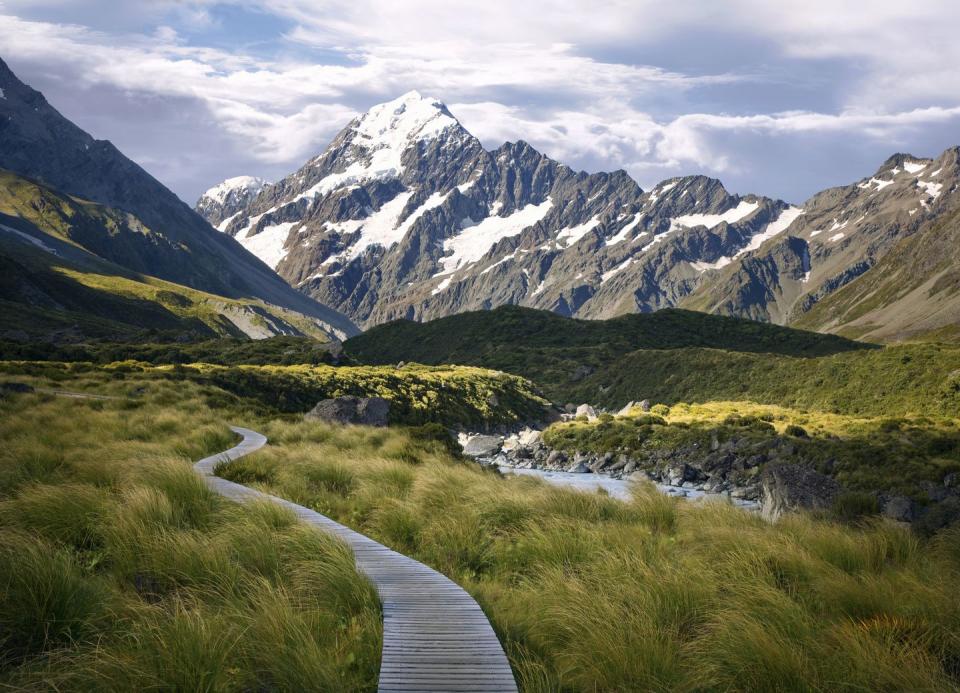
785	487
588	411
899	508
645	405
363	411
530	437
482	446
627	408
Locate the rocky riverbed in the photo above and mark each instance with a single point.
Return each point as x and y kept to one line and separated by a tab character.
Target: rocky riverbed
524	452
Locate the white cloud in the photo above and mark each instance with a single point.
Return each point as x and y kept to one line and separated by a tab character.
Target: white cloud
559	75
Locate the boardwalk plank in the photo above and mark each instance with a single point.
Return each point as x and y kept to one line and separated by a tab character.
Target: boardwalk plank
435	635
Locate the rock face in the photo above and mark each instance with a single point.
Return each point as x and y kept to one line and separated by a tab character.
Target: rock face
222	202
158	235
406	215
893	234
788	486
365	411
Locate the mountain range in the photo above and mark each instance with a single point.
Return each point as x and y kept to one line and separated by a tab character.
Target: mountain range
406	215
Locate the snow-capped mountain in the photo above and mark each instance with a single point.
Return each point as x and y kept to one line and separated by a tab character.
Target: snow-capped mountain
843	233
405	214
223	201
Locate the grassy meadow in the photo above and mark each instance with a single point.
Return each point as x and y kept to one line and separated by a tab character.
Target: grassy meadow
121	572
589	593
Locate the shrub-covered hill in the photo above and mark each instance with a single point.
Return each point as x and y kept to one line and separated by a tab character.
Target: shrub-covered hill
452	396
511	335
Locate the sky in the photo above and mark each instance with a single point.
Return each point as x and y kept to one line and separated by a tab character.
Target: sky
776	98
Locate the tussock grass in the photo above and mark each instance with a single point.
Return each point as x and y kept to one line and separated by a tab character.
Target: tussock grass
590	593
120	570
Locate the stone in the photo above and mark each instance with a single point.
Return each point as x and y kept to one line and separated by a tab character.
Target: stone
588	411
627	408
580	468
530	437
952	480
645	405
899	508
363	411
482	446
556	458
785	486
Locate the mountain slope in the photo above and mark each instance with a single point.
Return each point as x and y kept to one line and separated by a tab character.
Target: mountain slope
406	215
912	292
843	238
54	286
679	356
169	240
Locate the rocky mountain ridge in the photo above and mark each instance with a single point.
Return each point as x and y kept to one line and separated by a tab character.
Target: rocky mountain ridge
406	215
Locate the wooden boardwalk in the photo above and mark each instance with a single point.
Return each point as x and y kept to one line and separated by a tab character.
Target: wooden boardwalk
435	636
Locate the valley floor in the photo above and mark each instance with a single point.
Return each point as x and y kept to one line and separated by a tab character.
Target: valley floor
123	573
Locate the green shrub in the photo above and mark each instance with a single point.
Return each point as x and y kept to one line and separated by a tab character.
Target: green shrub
796	431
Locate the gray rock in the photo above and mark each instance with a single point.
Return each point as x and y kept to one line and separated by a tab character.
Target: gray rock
645	405
951	480
588	411
899	508
786	487
482	446
364	411
626	408
580	468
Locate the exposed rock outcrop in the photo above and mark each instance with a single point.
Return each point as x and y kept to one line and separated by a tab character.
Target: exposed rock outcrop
365	411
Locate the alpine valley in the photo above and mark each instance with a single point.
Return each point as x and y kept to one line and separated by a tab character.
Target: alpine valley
406	215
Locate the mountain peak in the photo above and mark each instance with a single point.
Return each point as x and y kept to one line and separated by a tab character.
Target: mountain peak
409	117
247	184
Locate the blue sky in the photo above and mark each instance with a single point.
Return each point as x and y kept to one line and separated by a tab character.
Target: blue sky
778	98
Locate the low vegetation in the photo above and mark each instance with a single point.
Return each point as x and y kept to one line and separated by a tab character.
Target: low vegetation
120	571
676	356
454	396
591	593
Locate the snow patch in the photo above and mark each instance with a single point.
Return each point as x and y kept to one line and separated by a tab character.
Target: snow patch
385	132
914	166
836	237
731	216
222	226
381	227
477	238
932	189
881	184
622	233
441	286
268	244
775	227
616	270
702	267
30	239
2	95
570	235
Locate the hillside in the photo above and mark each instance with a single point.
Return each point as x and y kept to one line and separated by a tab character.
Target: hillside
148	229
54	285
560	353
913	292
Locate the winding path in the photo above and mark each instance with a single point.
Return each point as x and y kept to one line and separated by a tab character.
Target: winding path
435	636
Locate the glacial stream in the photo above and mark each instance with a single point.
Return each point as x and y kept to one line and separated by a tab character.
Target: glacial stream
619	488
